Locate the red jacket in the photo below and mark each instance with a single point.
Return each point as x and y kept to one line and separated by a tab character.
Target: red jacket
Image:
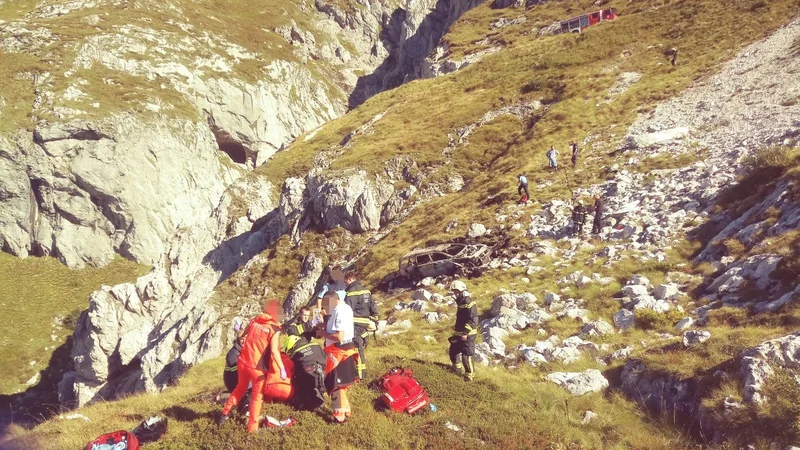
259	333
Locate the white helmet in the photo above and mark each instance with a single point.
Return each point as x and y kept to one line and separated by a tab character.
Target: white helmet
458	285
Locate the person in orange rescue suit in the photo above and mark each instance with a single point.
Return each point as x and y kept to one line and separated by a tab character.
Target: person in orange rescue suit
341	354
365	317
278	385
261	344
462	343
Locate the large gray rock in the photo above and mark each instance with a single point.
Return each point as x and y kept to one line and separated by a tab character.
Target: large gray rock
303	291
758	363
580	383
657	138
120	185
624	319
348	199
140	336
597	328
694	337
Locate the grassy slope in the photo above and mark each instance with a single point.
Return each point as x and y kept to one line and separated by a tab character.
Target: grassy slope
33	293
253	32
502	408
571	72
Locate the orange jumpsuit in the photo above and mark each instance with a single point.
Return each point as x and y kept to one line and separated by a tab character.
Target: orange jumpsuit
341	372
275	389
251	368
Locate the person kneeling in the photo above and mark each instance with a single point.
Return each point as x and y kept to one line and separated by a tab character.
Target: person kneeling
309	372
278	384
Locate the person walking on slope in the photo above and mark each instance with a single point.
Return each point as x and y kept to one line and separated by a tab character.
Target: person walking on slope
365	316
552	156
261	343
341	354
674	56
523	187
462	343
574	154
599	208
578	219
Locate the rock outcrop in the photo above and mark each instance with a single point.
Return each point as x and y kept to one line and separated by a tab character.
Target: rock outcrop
760	362
83	191
140	336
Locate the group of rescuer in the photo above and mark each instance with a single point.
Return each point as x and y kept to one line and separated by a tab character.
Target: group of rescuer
276	362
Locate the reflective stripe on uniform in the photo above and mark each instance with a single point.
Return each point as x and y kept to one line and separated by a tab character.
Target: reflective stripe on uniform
302	347
231	369
361	320
355	293
468	305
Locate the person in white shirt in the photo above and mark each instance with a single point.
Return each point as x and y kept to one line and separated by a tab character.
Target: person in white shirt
552	154
341	365
523	187
339	327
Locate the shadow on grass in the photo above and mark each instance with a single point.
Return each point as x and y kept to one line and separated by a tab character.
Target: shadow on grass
39	402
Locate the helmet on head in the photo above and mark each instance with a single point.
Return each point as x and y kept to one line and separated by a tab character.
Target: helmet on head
458	285
290	343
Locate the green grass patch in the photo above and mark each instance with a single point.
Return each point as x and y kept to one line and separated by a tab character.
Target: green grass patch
510	409
41	299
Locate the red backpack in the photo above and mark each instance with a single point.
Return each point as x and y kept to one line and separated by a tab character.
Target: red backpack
112	440
402	392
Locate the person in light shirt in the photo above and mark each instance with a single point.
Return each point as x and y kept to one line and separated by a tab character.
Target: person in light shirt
341	362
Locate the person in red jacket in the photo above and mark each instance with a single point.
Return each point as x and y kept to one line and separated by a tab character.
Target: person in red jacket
261	344
278	387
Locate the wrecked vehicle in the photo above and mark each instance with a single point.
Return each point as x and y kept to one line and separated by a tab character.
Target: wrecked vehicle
445	259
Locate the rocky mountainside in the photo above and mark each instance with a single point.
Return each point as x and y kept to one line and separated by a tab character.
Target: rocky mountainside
127	120
256	179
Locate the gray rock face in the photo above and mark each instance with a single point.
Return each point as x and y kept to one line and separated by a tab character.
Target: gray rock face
310	273
624	319
140	336
348	199
82	191
580	383
597	328
476	230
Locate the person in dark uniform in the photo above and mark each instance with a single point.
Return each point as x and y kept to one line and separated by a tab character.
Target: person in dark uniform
231	375
578	219
309	372
599	209
302	325
365	316
574	154
462	343
674	56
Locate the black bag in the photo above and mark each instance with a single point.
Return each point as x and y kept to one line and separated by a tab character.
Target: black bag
151	429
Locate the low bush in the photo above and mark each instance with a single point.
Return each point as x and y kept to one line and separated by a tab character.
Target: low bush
647	319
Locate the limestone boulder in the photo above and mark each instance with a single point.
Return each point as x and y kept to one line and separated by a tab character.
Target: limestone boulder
580	383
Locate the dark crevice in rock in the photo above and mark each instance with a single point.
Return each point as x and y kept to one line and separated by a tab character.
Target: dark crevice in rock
406	56
230	146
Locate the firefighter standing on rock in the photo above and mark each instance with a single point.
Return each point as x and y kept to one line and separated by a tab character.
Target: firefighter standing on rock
462	343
